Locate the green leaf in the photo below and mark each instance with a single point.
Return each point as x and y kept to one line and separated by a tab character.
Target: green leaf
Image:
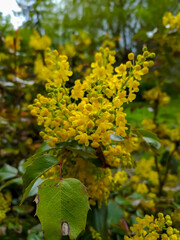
44	147
136	196
97	218
83	151
150	138
34	189
24	209
123	201
33	236
62	207
116	138
21	168
38	167
13	181
140	213
7	172
115	213
41	150
35	232
164	158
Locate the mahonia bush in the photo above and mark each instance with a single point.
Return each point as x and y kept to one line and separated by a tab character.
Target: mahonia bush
150	228
90	112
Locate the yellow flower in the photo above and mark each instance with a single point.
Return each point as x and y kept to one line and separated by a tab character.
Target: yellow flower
131	56
141	188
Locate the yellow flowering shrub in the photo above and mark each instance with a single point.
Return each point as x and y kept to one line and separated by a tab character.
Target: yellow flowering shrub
90	112
150	228
38	42
156	95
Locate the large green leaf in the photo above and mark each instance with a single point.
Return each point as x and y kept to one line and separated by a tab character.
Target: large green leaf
7	172
62	207
38	167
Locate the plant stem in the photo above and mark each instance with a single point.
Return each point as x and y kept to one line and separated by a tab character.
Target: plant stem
60	171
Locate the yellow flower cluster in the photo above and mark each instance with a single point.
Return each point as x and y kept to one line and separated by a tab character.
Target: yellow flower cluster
149	124
142	188
92	110
3	57
5	201
13	43
82	39
146	180
171	21
175	134
118	180
120	154
176	216
68	49
39	43
77	47
156	95
95	235
147	173
38	68
150	228
117	155
170	38
109	43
